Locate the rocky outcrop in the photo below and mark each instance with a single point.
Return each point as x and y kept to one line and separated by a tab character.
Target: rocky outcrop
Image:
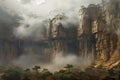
97	37
85	37
61	39
99	25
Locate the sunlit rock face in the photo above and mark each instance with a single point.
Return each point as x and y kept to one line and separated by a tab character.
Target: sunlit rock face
60	37
112	11
99	33
85	37
56	34
86	18
57	28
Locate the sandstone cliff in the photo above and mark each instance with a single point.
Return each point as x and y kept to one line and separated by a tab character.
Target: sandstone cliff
97	37
98	32
61	39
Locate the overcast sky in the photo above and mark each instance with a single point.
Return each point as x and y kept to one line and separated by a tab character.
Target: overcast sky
43	7
34	12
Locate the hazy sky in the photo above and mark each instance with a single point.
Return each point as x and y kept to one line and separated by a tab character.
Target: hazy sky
34	12
43	7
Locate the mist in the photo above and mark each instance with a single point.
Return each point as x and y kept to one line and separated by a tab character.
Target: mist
56	63
34	13
28	19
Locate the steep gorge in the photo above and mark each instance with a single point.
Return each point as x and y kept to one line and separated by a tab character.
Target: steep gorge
98	31
97	37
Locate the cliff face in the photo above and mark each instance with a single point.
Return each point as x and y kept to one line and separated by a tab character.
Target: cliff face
97	37
10	50
85	37
61	39
112	11
98	33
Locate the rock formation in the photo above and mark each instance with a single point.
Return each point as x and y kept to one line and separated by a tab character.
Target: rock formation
61	39
85	37
10	50
97	36
97	32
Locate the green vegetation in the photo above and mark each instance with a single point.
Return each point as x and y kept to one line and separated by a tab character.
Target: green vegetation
68	73
36	68
68	67
12	74
115	70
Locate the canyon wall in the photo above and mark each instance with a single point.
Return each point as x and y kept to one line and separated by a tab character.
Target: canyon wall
97	37
97	33
62	39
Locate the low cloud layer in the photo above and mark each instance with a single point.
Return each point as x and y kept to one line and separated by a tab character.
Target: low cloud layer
56	63
28	19
33	14
8	21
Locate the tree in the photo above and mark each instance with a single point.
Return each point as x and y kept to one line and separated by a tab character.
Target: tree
27	73
12	74
45	74
64	75
115	70
27	70
68	67
36	68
